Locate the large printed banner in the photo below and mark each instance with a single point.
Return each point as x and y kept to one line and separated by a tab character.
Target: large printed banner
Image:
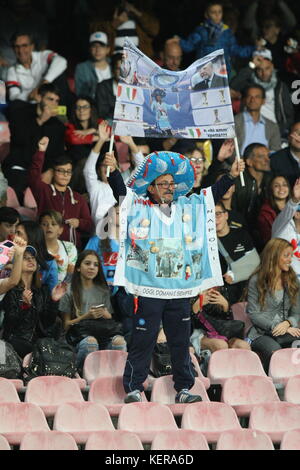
155	102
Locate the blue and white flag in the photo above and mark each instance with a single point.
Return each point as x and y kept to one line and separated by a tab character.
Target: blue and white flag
155	102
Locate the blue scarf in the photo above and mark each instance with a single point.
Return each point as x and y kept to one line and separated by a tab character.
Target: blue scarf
214	30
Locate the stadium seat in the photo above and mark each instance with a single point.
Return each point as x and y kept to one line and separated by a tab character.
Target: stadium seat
12	199
146	420
285	363
238	362
107	363
29	200
109	391
292	390
239	313
163	392
113	440
51	391
82	419
244	391
182	439
4	445
204	380
275	419
8	392
244	439
210	418
291	440
16	419
51	440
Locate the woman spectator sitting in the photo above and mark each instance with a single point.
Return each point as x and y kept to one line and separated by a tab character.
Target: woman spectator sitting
81	134
238	256
197	159
87	311
215	303
33	235
64	253
273	301
287	225
278	193
29	310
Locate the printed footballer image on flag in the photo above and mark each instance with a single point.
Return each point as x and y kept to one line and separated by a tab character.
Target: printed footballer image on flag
155	102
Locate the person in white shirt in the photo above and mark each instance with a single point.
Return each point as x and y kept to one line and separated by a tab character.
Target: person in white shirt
32	69
101	195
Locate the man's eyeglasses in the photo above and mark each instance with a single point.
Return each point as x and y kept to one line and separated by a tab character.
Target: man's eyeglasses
167	185
64	172
220	213
195	160
85	107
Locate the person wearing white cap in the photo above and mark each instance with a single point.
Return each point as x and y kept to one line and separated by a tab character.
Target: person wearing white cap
94	70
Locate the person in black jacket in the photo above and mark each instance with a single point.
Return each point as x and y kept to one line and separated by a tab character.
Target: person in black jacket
286	162
29	309
106	91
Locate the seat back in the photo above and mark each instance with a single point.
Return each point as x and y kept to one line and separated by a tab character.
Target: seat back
113	440
291	440
163	390
51	440
285	363
244	439
106	363
182	439
239	313
84	416
8	392
12	199
4	445
292	390
238	362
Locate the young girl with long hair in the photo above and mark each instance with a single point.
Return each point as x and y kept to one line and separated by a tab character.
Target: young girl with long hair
87	311
273	301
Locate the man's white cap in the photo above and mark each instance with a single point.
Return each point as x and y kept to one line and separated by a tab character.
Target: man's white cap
265	53
99	36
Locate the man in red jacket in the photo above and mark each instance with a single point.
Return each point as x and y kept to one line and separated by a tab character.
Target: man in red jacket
59	196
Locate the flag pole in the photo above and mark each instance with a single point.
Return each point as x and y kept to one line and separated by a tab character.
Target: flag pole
238	156
111	144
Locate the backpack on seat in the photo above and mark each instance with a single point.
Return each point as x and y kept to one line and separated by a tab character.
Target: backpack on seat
51	357
10	362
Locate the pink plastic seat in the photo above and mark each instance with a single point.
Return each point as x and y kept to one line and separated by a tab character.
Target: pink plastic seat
245	391
4	445
113	440
146	420
228	363
82	419
291	440
12	200
285	363
182	439
29	200
292	390
200	376
51	440
275	419
244	439
239	313
8	392
16	419
51	391
163	392
109	391
28	213
107	363
210	418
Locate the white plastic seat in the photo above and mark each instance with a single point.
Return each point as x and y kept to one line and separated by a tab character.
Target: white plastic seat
109	391
51	440
182	439
4	445
275	419
228	363
284	363
146	420
163	392
106	363
16	419
239	313
49	392
113	440
82	419
210	418
292	390
244	439
245	391
8	392
291	440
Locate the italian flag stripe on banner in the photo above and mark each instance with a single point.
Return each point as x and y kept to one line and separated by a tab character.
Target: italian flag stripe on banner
195	132
131	93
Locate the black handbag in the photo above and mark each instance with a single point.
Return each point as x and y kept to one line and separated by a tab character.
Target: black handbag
101	329
228	328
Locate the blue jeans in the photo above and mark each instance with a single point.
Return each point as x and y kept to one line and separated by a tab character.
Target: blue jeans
88	345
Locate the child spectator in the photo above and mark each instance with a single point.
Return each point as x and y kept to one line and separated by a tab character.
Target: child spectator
87	310
59	196
273	301
9	219
64	253
29	308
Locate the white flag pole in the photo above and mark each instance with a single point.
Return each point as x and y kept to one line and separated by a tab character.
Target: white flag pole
238	156
111	144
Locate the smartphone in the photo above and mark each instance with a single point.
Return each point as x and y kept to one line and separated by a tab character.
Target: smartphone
62	110
98	306
4	249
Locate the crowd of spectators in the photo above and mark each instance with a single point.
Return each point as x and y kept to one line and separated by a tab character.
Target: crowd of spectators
60	62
